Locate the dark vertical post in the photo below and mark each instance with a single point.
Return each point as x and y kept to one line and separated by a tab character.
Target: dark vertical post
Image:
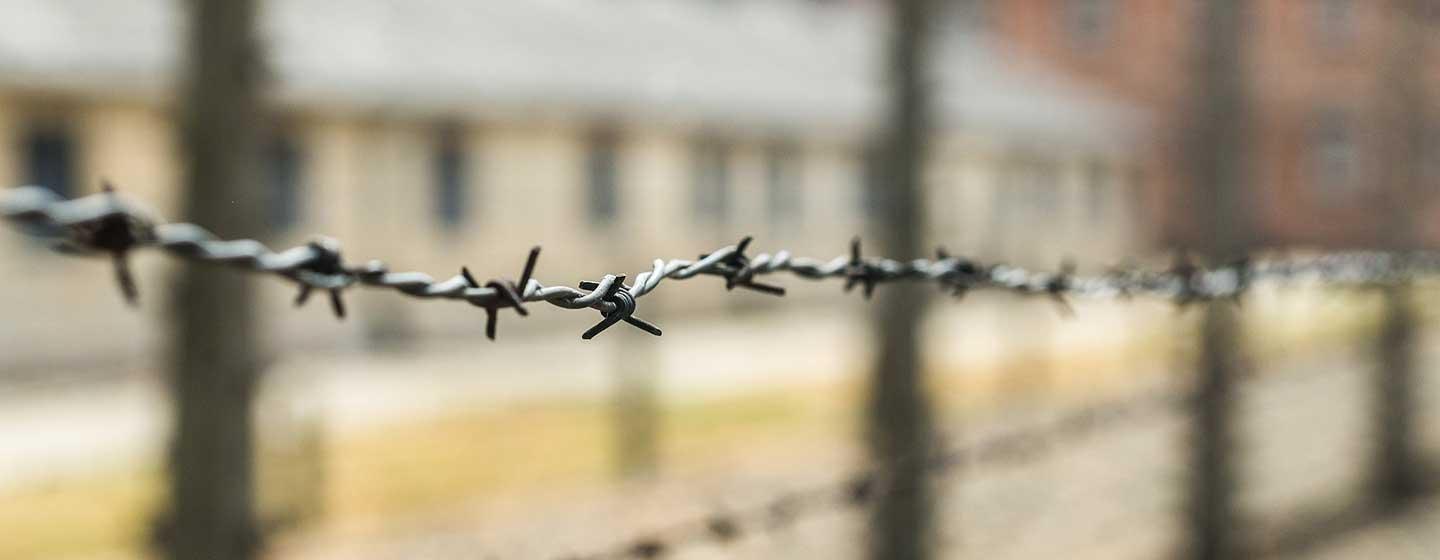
1217	156
213	359
900	423
1395	471
1394	466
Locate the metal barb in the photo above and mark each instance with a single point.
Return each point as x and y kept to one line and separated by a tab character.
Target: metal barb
858	271
508	293
1241	267
115	233
958	275
1059	285
324	267
735	267
1186	274
106	223
623	309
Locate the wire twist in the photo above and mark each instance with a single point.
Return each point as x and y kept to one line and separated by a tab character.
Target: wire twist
109	223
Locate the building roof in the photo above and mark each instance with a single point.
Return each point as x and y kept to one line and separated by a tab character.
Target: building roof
744	63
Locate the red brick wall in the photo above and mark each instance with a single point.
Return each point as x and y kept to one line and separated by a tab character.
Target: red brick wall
1295	76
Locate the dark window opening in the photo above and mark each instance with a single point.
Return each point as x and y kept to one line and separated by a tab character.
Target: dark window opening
1097	192
971	15
1089	23
284	167
1431	150
603	177
873	183
1334	23
782	182
49	159
1028	195
1334	156
450	170
711	195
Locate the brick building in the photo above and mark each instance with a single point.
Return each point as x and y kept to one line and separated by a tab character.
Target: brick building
1316	82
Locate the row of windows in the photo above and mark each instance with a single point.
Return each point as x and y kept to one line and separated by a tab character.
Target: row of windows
50	160
49	157
452	192
1093	24
711	180
1336	156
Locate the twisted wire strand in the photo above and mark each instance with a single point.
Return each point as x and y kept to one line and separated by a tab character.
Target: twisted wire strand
863	486
80	226
109	223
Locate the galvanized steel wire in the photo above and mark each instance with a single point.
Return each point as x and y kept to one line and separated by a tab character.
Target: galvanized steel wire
107	222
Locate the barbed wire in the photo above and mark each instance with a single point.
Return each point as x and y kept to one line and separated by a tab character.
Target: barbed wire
108	223
1010	448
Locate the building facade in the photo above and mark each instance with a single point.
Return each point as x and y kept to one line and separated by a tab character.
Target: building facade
453	133
1318	85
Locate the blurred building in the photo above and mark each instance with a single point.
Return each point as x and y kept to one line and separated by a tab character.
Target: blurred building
1316	88
439	133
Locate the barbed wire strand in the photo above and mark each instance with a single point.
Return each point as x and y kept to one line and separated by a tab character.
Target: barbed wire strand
111	224
107	223
1013	447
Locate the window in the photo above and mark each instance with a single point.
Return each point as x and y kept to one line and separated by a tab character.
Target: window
1089	23
970	14
1027	204
49	159
1097	192
1038	183
1334	156
450	171
711	195
284	167
873	182
1334	22
782	184
1431	149
602	178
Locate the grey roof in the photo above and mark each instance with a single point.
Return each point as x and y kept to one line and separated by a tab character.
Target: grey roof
747	63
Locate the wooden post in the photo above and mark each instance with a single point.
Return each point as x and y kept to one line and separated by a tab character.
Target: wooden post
1218	168
900	421
1395	463
214	360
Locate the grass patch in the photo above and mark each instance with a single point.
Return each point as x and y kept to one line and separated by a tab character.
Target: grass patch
90	517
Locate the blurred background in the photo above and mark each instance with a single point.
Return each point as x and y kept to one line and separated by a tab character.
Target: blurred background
438	133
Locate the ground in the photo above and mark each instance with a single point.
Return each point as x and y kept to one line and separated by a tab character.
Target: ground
509	464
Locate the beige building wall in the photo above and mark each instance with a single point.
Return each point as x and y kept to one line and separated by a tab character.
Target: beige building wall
369	180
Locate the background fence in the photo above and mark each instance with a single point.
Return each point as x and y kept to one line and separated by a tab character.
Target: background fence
1112	457
1184	310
